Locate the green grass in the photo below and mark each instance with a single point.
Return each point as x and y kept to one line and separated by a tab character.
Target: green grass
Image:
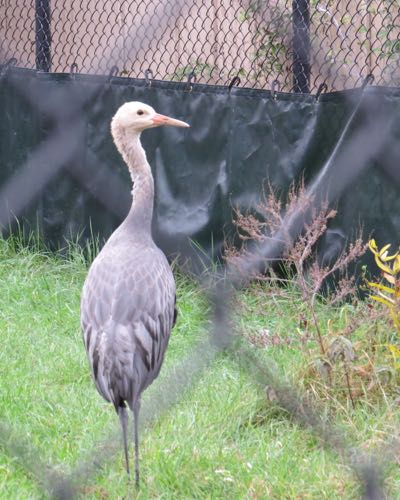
221	440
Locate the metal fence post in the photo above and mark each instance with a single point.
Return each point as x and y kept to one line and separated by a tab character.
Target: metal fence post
301	46
43	35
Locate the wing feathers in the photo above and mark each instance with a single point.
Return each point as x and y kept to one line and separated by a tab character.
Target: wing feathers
127	313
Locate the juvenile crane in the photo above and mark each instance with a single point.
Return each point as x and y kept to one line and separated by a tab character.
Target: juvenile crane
128	299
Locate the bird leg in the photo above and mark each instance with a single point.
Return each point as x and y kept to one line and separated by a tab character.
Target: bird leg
136	408
123	417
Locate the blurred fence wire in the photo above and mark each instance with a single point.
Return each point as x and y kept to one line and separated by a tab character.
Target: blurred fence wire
299	44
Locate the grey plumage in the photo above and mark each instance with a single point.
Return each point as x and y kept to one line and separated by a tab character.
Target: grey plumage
128	299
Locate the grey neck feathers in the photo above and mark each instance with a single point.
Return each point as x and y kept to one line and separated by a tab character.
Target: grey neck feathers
141	212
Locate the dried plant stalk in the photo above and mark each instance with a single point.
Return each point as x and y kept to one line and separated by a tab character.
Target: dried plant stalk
300	253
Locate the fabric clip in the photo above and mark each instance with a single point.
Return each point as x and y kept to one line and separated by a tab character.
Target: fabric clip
191	78
321	89
234	82
113	72
73	70
149	77
368	80
275	84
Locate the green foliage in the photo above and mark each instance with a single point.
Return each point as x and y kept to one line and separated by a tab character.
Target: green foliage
271	26
199	67
350	357
223	439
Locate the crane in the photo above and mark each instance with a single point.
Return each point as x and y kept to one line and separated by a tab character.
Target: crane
128	304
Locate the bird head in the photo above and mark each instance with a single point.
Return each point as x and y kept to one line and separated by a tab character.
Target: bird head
135	117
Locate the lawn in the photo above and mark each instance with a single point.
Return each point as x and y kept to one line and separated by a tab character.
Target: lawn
222	439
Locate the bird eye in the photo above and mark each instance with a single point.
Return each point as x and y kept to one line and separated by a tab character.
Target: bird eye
140	112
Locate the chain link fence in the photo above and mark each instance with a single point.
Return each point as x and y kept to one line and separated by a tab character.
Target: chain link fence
334	43
298	44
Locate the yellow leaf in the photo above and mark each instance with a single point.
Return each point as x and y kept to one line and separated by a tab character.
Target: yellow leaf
394	350
383	251
381	287
373	246
384	255
396	319
391	301
386	258
381	265
383	300
396	265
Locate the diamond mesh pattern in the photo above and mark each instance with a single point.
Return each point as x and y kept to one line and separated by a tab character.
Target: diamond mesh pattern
341	41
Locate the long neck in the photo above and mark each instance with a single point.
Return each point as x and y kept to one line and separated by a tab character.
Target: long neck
141	212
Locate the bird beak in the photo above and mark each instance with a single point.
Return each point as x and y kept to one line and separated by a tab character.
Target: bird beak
166	120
